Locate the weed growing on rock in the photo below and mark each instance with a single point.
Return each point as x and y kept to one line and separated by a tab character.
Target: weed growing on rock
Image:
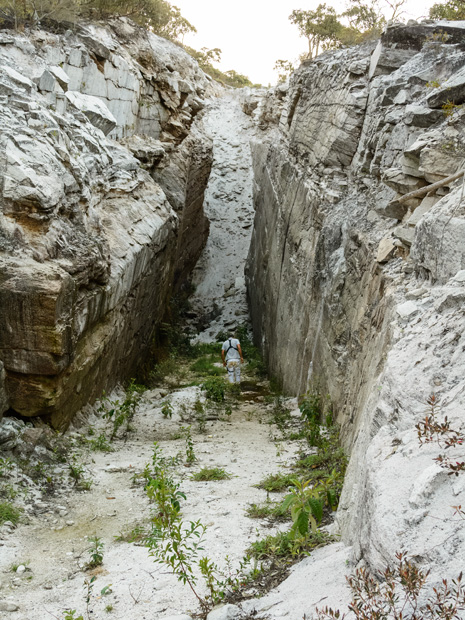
190	454
177	545
272	511
397	594
211	473
167	409
120	413
430	430
100	444
214	389
96	552
276	483
284	546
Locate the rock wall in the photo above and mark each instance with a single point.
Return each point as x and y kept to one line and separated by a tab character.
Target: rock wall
91	246
356	292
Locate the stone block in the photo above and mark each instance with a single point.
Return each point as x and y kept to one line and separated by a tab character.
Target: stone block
407	309
61	76
47	82
425	206
386	250
19	79
402	183
452	90
420	116
95	110
406	234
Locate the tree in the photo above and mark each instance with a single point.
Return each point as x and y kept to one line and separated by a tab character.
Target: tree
320	27
452	9
365	20
285	69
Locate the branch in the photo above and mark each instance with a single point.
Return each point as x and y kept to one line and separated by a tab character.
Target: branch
418	193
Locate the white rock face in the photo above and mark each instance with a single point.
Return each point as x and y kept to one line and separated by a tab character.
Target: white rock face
220	293
91	246
359	294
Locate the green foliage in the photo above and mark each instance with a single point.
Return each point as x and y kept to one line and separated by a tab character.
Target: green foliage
251	354
214	389
166	409
285	546
320	27
157	15
8	512
306	507
70	614
205	366
119	413
284	68
453	10
275	483
100	444
165	494
272	511
130	535
190	454
96	552
450	109
281	415
211	473
206	57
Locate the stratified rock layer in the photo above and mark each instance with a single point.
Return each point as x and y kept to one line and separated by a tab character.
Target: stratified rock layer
91	246
356	293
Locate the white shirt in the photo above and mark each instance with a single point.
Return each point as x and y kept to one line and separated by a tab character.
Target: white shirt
230	348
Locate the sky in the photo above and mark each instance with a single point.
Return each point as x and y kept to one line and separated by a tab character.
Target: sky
253	34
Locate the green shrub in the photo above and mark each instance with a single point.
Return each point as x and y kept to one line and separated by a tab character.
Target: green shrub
8	512
210	473
275	483
214	388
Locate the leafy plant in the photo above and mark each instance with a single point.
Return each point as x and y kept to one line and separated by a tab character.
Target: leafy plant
190	454
284	546
120	413
167	409
431	430
100	444
398	593
8	512
275	483
214	389
165	493
96	552
210	473
306	507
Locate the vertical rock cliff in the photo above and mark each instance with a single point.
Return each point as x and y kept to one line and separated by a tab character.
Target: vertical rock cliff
356	291
104	165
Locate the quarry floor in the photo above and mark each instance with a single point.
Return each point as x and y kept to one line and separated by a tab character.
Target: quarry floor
54	545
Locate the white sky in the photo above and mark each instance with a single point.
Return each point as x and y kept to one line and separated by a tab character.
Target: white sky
253	34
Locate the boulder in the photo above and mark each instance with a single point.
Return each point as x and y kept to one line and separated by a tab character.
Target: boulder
420	116
402	183
225	612
95	110
386	250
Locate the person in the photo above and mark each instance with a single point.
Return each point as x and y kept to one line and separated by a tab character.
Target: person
231	354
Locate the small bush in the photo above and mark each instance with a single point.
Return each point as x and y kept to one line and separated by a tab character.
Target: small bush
214	388
8	512
284	545
210	473
275	483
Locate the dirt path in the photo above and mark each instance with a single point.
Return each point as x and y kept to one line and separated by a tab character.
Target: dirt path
53	545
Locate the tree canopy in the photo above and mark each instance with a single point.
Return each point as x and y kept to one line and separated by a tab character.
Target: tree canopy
158	15
452	9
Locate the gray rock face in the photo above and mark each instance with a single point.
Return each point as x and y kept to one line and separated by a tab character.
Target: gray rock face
91	247
328	280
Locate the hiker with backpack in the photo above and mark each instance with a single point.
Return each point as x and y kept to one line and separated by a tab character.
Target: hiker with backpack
231	354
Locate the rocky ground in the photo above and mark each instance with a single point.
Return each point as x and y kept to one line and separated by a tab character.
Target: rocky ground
43	560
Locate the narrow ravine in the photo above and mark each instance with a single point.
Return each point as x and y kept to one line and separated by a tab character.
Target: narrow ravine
219	298
52	542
